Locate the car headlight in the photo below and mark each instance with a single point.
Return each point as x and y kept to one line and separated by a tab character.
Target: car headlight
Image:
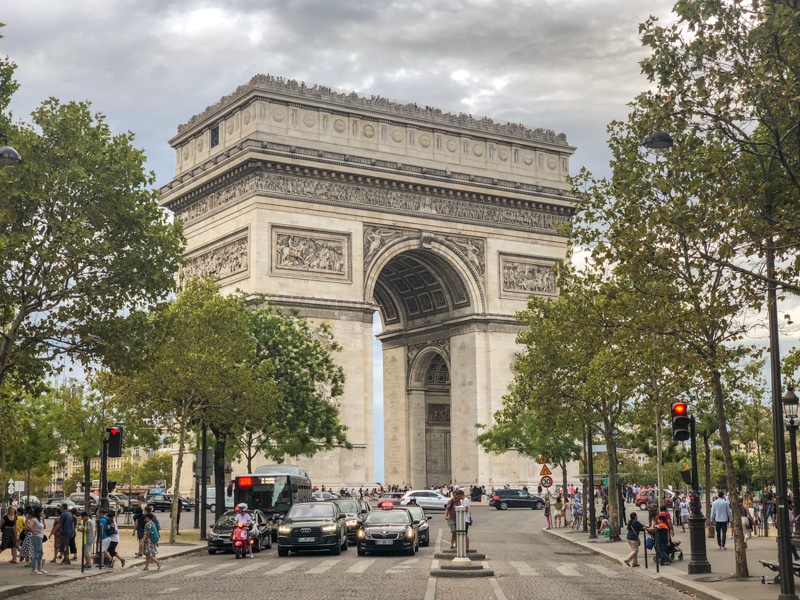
352	522
330	528
361	535
213	536
284	529
410	532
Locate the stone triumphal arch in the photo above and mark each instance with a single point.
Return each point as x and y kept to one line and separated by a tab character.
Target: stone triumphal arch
340	205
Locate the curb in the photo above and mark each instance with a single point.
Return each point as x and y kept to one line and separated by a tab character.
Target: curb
665	578
27	588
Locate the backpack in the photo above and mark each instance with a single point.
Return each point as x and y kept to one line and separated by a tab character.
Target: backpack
155	536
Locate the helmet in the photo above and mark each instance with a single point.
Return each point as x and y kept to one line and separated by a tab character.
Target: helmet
242	507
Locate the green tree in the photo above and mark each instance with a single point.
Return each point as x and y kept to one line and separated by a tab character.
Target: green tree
83	239
156	468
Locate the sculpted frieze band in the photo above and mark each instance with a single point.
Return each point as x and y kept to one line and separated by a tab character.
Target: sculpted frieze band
302	252
346	194
222	262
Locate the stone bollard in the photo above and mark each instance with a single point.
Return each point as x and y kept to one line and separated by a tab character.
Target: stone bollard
461	537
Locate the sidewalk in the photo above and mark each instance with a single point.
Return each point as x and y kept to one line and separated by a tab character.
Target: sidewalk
719	584
16	580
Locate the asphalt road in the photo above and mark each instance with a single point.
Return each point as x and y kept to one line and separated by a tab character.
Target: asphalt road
526	562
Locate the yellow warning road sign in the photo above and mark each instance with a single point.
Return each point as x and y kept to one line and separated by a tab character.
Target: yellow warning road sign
545	471
543	460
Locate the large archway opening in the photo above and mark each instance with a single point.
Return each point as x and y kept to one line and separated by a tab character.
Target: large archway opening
419	292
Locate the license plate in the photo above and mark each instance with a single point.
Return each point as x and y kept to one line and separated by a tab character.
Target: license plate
306	539
384	542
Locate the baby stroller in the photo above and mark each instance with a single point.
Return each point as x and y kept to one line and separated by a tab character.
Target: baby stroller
674	550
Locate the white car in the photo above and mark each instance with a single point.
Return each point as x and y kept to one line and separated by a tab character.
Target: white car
427	499
324	496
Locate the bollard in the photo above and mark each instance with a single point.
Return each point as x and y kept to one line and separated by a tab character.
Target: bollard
461	537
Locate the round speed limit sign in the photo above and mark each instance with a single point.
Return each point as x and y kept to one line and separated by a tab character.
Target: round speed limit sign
546	481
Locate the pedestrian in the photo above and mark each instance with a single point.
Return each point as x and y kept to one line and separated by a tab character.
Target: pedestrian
87	529
634	541
721	515
461	500
684	512
139	523
178	522
26	540
547	513
55	533
149	546
558	506
114	537
35	528
9	537
73	547
66	522
450	517
104	533
747	521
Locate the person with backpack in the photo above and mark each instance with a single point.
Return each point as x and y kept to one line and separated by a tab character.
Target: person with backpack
150	545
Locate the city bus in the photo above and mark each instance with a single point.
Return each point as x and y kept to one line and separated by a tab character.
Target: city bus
273	489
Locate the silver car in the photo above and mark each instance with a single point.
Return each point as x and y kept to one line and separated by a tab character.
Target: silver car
427	499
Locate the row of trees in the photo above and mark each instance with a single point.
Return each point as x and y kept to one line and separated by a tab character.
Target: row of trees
668	299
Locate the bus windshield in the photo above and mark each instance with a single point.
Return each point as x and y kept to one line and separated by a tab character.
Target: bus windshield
269	494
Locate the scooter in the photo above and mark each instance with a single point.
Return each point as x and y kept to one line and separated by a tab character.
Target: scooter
241	540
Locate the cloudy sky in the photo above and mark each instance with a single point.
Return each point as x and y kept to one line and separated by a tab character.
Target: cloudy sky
149	65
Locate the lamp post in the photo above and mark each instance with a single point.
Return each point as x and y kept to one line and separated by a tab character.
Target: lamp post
698	561
790	414
660	142
8	156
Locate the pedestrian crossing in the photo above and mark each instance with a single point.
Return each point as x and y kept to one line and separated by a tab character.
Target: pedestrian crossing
355	567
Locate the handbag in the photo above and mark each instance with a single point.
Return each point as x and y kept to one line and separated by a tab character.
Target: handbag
649	543
44	538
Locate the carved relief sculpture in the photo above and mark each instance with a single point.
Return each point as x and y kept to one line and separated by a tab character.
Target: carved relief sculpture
531	276
439	414
305	252
223	261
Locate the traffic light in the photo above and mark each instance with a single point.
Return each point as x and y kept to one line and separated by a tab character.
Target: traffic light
686	475
680	422
114	441
110	486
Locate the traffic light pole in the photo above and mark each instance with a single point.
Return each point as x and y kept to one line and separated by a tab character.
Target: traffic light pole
698	560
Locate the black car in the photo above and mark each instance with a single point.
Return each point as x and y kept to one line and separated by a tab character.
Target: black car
219	538
505	499
313	526
420	519
160	502
388	529
188	504
354	514
51	506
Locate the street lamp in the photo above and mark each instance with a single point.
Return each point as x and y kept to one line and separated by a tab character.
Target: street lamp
790	414
8	156
659	142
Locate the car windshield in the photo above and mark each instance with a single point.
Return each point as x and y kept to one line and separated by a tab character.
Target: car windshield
348	506
226	520
387	517
311	510
416	512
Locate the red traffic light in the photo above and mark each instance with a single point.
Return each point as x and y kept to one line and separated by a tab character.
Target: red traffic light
679	409
114	431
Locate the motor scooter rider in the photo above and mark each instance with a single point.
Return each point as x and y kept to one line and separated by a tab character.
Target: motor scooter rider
243	517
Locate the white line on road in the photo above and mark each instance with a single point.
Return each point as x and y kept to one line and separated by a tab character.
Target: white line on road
285	567
430	591
208	570
401	568
325	566
438	540
169	590
568	569
167	572
605	571
123	575
524	568
498	593
361	566
254	566
435	563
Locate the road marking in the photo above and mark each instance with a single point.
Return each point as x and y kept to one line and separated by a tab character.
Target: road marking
605	571
498	593
438	540
119	576
401	568
254	566
430	591
524	568
285	567
435	563
207	570
169	590
361	566
325	566
167	572
568	569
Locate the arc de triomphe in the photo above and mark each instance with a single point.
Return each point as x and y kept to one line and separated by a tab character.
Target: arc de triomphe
340	205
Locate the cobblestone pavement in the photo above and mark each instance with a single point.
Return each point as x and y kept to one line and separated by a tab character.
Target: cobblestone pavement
527	564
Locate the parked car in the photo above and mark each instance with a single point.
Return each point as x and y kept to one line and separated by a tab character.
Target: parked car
354	515
312	526
219	538
160	502
647	498
94	502
50	506
393	497
388	529
324	496
427	499
188	504
211	499
505	499
420	519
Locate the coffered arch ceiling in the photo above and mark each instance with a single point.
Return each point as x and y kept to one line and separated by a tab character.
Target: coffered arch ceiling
418	284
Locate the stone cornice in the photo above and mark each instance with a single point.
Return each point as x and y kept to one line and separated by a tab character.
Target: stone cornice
430	116
322	186
450	329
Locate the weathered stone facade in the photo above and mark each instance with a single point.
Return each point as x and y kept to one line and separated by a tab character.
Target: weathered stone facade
340	205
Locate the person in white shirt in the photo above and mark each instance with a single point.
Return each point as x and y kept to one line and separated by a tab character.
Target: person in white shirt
243	517
461	500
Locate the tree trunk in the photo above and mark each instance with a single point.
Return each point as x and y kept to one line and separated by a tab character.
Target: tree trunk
613	492
707	474
219	472
730	477
564	484
176	480
87	482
